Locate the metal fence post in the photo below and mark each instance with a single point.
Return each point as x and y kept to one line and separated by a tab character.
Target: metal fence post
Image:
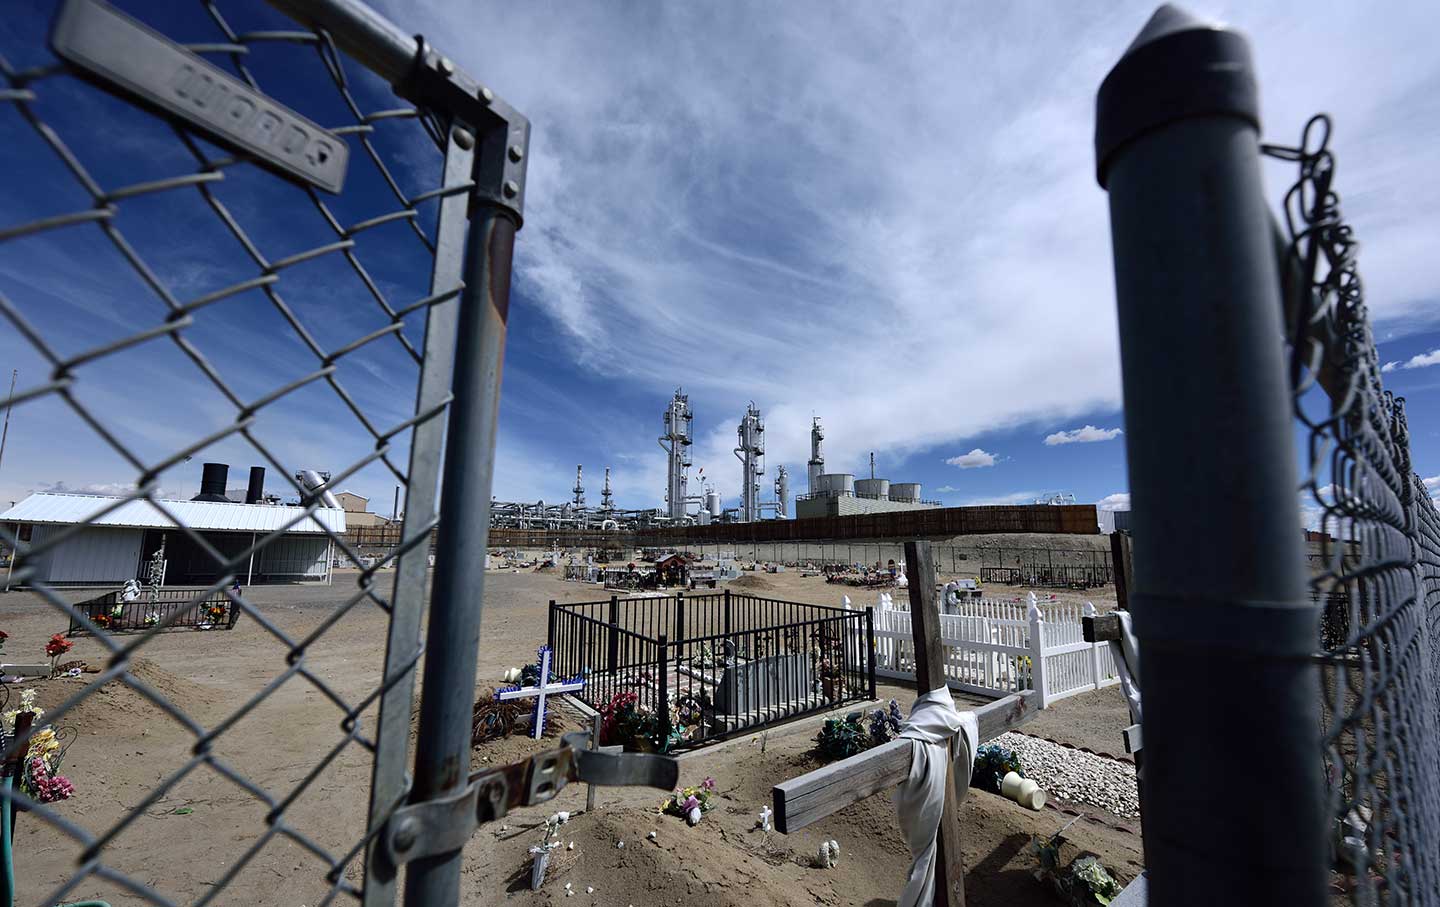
442	757
612	656
727	614
1227	669
680	617
550	628
664	649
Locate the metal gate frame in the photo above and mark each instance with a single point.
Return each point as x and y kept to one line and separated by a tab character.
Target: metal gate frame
487	143
480	201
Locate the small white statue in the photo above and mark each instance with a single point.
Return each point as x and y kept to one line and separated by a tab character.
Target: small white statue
765	815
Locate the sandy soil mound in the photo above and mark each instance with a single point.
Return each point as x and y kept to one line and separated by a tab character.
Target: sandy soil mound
752	581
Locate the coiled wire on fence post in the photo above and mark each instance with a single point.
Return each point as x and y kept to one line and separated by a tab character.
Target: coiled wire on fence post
1378	573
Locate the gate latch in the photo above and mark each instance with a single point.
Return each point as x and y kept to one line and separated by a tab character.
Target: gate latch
444	824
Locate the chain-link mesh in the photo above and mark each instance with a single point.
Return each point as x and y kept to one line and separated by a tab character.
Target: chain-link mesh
1379	570
340	289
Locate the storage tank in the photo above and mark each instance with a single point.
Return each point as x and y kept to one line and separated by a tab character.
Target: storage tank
837	483
712	504
906	492
874	488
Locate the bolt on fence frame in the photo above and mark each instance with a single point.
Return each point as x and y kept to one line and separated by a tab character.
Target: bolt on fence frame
487	143
1227	668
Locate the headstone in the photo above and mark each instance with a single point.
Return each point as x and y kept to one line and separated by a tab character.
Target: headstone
762	683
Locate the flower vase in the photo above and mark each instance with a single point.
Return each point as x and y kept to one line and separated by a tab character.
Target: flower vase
538	863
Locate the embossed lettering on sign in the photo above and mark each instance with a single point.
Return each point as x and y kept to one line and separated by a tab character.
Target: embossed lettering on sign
126	57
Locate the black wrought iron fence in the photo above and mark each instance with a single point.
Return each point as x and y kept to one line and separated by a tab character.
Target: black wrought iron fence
297	247
117	612
701	667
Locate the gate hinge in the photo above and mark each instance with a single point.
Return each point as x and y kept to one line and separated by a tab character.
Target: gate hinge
444	824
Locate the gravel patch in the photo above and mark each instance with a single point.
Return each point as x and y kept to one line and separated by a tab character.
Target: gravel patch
1076	776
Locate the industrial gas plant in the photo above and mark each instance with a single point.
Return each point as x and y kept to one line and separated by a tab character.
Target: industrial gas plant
827	494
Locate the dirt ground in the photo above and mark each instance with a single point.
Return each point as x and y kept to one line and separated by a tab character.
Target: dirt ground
197	835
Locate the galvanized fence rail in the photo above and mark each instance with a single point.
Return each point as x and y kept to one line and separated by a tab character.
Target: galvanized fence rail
1296	691
417	203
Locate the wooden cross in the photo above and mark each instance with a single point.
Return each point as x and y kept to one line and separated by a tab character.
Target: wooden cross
811	797
541	690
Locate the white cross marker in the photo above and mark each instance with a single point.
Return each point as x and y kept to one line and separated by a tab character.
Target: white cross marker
544	689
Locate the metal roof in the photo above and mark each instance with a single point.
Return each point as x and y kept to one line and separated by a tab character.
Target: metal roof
46	507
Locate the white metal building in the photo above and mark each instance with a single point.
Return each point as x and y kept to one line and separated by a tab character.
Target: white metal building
116	545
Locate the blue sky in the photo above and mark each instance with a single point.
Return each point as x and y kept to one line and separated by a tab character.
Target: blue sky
886	217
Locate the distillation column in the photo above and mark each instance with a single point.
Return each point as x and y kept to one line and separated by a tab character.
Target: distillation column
676	444
751	454
816	466
579	489
782	493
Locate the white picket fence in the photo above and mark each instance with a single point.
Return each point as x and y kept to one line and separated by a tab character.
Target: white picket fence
996	648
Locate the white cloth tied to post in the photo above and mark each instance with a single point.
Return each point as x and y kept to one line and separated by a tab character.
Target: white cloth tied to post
920	798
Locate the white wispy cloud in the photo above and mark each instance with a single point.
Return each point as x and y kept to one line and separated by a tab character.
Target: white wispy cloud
975	459
679	198
1120	500
1422	360
946	489
1085	435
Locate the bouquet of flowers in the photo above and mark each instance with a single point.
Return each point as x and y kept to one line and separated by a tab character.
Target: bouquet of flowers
152	618
992	762
1084	883
57	646
625	721
885	724
691	803
40	778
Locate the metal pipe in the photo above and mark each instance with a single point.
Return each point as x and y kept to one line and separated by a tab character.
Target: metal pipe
442	757
364	34
1227	670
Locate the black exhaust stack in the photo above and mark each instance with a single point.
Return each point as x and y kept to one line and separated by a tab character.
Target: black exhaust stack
213	477
256	492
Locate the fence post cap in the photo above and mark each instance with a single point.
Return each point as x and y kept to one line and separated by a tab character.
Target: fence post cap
1178	66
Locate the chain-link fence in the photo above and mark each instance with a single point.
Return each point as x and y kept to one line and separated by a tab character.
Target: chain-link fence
222	235
1381	537
1296	691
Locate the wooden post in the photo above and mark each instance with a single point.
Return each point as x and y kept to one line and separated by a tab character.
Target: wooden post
930	675
1094	648
1038	680
811	797
1120	567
